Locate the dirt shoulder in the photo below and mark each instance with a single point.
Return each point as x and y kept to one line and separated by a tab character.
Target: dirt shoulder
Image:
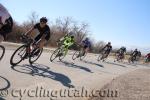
131	86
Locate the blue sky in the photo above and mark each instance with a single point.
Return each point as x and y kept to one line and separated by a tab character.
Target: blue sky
123	22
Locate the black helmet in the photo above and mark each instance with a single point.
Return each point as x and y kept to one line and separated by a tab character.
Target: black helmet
87	39
109	42
43	19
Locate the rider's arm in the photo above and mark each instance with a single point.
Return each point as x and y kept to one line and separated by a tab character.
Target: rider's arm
34	27
63	38
47	33
111	48
28	32
103	48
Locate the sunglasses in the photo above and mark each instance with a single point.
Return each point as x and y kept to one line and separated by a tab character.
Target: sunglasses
42	22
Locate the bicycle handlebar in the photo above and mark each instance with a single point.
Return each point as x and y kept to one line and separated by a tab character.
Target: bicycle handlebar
26	39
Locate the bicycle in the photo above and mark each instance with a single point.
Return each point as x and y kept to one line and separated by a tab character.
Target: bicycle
103	55
2	52
119	57
59	52
146	59
79	54
26	51
132	59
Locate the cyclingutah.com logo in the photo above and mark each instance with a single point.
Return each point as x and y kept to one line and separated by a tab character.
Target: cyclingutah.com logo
40	92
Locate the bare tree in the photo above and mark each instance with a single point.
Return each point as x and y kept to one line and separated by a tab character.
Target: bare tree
98	46
33	19
14	36
63	25
81	31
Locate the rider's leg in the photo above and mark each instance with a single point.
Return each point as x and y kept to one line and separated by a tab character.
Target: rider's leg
2	35
42	43
85	50
107	54
66	50
82	51
37	38
1	38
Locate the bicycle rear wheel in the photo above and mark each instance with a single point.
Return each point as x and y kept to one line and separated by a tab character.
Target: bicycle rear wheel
20	52
2	51
33	57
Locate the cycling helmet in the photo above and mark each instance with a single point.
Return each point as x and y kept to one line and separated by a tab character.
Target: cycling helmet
71	33
123	47
43	19
87	39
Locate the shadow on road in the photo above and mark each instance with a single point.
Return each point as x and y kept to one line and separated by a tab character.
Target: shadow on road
76	66
131	64
115	64
94	63
44	71
2	98
6	86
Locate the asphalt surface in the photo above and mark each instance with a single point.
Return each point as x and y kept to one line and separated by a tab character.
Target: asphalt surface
57	80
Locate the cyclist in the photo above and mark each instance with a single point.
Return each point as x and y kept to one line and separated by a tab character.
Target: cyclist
44	33
121	52
6	23
105	51
147	57
107	48
135	54
86	45
67	41
138	55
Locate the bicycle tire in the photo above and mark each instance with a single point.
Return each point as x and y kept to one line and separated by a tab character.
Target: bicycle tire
11	59
55	56
3	52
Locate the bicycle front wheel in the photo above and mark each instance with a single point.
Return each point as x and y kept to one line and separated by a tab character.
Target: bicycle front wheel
54	54
83	55
76	55
2	51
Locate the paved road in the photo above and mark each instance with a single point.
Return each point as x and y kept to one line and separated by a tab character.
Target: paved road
47	80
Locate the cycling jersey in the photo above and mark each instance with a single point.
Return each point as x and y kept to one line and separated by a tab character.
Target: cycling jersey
122	50
107	48
68	41
135	53
45	30
148	55
86	43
